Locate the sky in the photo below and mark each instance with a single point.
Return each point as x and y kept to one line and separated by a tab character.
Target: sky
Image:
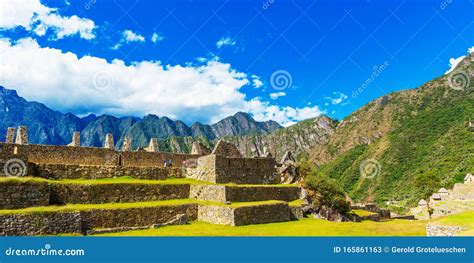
205	60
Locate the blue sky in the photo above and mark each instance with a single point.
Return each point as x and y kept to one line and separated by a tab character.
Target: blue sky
204	60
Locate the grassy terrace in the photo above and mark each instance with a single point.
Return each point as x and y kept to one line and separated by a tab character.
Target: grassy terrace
174	202
362	212
83	207
129	180
465	219
303	227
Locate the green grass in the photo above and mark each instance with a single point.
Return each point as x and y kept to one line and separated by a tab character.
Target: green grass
465	219
83	207
303	227
131	180
362	212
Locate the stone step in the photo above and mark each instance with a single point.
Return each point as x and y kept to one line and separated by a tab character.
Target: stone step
78	219
248	213
244	193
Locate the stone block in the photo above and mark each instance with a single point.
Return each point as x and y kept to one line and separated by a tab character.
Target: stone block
22	135
10	135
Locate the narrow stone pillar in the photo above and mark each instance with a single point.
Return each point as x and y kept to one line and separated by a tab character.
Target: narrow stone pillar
127	144
153	147
76	139
109	141
22	135
10	135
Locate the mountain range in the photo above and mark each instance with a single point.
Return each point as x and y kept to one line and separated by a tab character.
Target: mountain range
47	126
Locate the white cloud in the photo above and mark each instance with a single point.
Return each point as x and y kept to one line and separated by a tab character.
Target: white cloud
286	116
39	19
67	83
340	97
256	82
155	38
130	36
225	41
127	37
276	95
453	62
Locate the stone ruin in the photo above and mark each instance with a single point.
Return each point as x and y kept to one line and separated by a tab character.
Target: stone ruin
109	141
10	135
226	149
76	139
228	189
445	202
127	144
199	148
153	146
22	136
288	169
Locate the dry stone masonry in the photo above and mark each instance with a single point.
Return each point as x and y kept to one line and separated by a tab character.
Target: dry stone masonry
76	139
109	141
10	135
127	144
22	136
157	201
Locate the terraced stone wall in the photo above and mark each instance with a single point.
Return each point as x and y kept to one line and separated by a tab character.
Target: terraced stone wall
138	216
153	159
40	224
115	193
71	171
221	193
15	194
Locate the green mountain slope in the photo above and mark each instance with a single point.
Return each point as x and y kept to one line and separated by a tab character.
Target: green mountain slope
408	143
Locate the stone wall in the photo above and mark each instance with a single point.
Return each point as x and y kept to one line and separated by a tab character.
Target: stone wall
17	194
214	214
65	154
245	215
48	223
220	193
438	231
261	193
153	159
62	171
220	169
53	223
262	214
138	216
115	193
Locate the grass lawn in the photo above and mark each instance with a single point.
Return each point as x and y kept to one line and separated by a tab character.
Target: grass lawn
304	227
362	212
465	219
82	207
131	180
